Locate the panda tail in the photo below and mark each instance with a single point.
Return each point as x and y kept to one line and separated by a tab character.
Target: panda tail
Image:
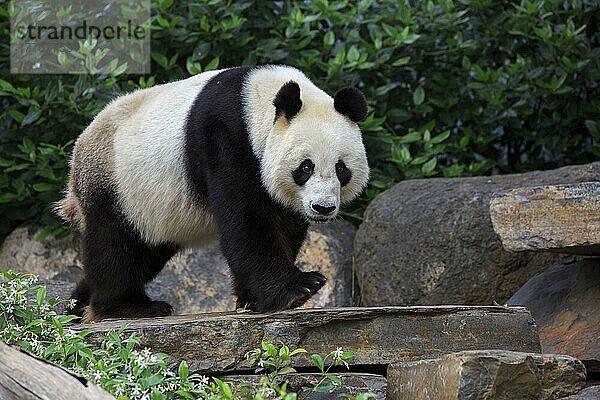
69	208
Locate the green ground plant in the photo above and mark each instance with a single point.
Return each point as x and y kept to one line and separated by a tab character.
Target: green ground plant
119	365
455	87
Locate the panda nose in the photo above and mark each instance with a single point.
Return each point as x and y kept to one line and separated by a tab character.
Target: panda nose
323	209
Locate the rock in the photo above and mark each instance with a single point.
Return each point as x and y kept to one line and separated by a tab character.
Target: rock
194	281
589	393
50	259
488	374
352	384
431	241
23	376
559	218
564	300
218	342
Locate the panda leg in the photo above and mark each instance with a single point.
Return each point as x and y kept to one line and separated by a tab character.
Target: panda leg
261	242
117	265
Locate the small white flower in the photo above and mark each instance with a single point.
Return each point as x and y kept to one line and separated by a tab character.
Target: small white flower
147	352
97	375
261	363
204	380
339	352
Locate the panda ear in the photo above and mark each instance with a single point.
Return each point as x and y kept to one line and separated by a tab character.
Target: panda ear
350	102
287	101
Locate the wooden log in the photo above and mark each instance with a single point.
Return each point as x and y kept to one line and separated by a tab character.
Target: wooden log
560	218
25	377
377	335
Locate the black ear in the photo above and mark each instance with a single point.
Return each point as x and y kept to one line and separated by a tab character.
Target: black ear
287	101
350	102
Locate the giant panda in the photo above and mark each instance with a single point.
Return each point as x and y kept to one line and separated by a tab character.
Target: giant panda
249	155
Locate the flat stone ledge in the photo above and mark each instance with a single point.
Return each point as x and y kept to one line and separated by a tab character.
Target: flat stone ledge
557	218
352	384
377	335
491	375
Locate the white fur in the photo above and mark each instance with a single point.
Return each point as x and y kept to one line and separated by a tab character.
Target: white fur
149	167
318	133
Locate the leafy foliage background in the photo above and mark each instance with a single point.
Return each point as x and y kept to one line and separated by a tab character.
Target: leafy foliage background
465	87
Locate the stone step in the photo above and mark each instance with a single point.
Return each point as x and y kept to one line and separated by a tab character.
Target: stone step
557	218
352	384
487	374
377	335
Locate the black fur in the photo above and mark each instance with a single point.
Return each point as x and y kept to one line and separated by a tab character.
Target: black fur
259	238
350	102
343	173
117	264
287	101
303	173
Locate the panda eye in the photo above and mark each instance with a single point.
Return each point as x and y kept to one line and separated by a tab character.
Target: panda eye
343	173
303	173
307	167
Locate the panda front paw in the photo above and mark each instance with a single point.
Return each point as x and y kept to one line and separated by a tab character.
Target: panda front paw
291	294
304	288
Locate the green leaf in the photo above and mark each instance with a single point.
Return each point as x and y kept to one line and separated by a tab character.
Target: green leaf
40	295
329	39
6	86
418	96
212	65
161	59
353	54
183	370
401	61
165	4
429	166
269	348
336	380
441	137
31	117
43	186
318	361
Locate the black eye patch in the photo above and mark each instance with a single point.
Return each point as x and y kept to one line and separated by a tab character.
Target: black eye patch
303	173
343	173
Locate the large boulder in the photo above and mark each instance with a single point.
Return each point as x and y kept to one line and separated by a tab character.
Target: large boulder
565	302
194	281
431	241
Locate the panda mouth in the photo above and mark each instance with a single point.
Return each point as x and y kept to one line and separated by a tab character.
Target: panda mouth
319	220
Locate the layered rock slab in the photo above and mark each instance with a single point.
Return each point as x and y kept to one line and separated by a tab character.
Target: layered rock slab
218	342
431	241
559	218
491	375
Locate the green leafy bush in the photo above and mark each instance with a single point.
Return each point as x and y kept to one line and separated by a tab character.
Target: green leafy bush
456	87
29	319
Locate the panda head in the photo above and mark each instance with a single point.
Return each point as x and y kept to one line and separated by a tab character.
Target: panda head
314	157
